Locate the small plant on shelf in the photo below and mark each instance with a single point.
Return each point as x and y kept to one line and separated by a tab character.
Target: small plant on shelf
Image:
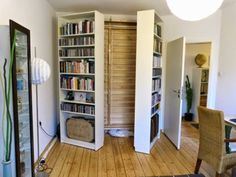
189	98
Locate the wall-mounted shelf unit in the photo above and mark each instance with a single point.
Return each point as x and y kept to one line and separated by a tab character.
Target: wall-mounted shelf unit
148	80
81	74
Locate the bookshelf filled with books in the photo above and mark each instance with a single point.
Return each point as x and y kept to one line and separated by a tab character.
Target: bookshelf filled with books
200	86
148	80
81	78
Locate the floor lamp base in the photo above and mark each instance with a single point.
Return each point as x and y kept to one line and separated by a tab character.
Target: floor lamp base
41	174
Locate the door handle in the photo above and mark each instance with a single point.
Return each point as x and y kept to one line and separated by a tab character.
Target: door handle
177	92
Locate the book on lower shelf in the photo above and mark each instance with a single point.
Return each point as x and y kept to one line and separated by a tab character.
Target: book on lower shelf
154	127
82	66
78	108
79	83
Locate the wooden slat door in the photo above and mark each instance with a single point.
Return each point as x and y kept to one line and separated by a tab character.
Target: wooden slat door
120	56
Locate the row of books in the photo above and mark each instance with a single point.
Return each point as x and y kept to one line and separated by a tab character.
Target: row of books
156	84
156	62
76	83
78	108
85	26
82	40
156	72
83	66
154	127
155	108
156	98
157	30
157	47
76	52
204	89
80	97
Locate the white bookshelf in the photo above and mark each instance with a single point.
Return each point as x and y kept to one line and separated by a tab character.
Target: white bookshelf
81	56
200	80
149	45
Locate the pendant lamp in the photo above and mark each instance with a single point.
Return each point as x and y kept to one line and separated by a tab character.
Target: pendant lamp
193	10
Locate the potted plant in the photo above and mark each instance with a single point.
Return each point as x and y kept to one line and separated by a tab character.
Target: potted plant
6	84
189	98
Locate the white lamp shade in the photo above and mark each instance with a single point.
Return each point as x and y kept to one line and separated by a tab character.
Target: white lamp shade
40	71
193	10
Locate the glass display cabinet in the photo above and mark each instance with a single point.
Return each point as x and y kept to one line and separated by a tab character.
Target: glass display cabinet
22	100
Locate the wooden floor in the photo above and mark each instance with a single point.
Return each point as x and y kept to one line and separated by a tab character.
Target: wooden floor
118	158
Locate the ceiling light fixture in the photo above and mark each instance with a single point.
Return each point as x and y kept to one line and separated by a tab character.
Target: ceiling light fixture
193	10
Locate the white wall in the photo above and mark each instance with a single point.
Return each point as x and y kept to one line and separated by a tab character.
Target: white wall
226	87
192	49
207	30
38	17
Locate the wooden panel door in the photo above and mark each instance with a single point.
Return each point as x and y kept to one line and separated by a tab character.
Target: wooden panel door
120	56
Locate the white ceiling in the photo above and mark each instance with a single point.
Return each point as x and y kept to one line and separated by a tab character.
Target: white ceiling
129	7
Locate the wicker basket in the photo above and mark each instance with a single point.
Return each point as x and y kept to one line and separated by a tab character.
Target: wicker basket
80	129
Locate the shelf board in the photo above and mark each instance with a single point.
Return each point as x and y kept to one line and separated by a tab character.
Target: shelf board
75	35
156	112
78	74
155	91
156	36
78	113
155	77
156	104
78	143
156	67
157	53
77	102
77	46
77	57
89	91
203	94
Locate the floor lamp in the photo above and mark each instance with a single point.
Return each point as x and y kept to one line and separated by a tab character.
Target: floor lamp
40	74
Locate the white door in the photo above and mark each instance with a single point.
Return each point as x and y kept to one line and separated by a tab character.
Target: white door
173	90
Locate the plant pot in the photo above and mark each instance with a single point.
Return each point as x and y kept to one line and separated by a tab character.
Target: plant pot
188	116
7	168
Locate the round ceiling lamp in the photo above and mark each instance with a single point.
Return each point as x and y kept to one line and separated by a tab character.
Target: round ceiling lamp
193	10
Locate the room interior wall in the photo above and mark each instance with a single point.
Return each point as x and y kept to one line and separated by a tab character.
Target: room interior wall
226	87
39	18
206	30
192	49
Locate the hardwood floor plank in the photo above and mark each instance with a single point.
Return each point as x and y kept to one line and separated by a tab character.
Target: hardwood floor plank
68	162
134	158
102	167
120	169
118	158
61	158
93	165
146	168
129	169
110	162
84	167
75	166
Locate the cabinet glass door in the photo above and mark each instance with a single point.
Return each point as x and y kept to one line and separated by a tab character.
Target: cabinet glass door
20	36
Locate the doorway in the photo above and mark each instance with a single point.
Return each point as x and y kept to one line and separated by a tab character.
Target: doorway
120	57
198	76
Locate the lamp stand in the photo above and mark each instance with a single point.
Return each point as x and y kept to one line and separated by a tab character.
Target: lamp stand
39	172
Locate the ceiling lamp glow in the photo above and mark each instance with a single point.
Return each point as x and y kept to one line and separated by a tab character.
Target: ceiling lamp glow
193	10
